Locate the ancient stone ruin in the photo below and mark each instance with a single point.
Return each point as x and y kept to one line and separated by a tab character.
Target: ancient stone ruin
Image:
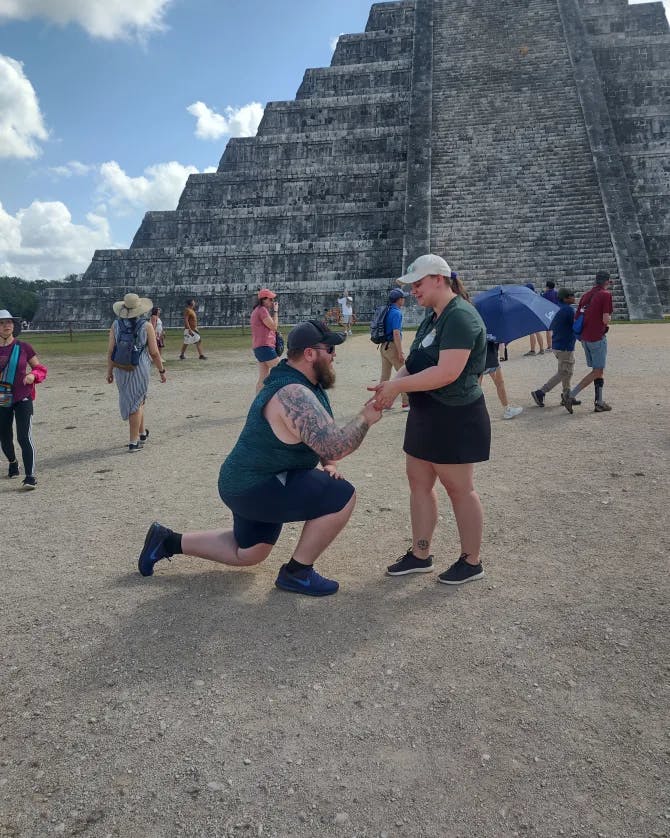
521	139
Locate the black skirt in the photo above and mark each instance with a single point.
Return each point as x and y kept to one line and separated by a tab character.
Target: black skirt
447	434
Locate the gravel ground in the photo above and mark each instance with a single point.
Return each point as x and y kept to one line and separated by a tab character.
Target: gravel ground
205	702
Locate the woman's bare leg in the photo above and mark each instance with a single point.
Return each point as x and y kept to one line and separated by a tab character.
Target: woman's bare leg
422	504
457	479
264	368
135	420
499	381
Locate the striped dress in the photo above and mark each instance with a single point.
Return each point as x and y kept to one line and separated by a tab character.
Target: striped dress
133	385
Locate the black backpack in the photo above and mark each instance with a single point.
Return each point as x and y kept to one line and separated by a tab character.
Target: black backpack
126	353
378	325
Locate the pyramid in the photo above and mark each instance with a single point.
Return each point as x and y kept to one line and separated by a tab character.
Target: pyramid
520	139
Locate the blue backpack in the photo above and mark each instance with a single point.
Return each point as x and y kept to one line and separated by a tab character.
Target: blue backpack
126	353
378	325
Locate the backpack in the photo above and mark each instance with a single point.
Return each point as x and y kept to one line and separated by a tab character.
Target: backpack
126	353
378	325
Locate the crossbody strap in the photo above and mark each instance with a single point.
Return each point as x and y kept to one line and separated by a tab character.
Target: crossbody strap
9	371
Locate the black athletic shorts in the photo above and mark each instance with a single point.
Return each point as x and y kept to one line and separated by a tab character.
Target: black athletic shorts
299	495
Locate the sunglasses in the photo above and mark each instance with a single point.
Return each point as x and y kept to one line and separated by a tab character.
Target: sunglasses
329	349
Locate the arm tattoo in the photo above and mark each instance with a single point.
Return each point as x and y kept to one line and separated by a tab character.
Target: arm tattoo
316	428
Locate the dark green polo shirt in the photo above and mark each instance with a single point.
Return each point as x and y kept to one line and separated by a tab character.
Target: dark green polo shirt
458	327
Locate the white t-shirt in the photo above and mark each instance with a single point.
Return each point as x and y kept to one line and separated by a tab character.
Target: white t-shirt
345	303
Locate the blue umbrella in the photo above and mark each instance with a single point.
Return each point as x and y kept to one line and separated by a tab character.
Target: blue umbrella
514	311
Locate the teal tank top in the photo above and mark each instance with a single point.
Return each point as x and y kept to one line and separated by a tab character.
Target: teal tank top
258	454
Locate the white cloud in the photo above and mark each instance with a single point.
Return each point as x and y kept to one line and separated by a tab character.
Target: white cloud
72	169
100	18
41	242
158	188
21	121
333	41
237	122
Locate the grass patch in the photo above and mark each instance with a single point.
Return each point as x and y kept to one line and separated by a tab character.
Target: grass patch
63	344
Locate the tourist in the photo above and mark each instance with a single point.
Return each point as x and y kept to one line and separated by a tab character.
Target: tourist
346	304
564	350
494	370
20	371
536	339
550	294
596	306
271	476
264	327
132	378
448	427
392	355
191	333
157	323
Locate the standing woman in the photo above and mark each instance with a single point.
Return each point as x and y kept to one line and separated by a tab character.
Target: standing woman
448	427
264	326
20	371
157	323
133	382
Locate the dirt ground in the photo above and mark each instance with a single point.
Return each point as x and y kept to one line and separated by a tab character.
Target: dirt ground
205	702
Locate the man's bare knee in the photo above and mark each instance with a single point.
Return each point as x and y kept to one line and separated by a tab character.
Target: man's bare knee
253	555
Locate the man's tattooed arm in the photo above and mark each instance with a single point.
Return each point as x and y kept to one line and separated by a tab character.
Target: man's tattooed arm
309	420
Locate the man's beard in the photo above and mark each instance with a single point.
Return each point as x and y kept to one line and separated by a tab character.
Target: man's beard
324	373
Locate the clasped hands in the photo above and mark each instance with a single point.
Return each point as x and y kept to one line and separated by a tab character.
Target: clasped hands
386	392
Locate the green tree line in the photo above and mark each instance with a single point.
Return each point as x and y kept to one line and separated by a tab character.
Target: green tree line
20	297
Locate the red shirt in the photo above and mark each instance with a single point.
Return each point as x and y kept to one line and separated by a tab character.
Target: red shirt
595	303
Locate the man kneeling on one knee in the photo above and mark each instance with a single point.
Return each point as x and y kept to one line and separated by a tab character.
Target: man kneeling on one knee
271	476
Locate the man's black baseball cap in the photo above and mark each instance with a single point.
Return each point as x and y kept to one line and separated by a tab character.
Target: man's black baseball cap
308	334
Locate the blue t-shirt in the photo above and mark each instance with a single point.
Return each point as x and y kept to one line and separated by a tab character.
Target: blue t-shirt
562	336
393	321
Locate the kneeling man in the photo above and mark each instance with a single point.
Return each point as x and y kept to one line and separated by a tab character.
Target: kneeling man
271	476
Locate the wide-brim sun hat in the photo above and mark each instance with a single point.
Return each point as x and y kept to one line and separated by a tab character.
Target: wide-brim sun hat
427	265
132	305
5	315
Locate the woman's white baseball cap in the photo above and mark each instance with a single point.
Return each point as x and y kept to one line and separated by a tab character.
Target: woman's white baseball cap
426	265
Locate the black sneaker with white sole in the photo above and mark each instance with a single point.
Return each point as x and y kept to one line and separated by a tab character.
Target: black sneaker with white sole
410	564
29	482
13	470
461	572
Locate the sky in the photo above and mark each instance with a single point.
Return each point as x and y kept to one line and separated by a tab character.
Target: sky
107	107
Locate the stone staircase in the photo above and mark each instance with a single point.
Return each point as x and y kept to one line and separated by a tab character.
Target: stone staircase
631	47
515	194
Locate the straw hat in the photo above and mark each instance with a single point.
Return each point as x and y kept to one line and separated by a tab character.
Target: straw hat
132	306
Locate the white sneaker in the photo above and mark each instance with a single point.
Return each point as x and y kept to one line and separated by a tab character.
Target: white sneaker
511	412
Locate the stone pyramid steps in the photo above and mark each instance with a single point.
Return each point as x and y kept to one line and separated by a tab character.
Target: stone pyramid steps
344	113
294	186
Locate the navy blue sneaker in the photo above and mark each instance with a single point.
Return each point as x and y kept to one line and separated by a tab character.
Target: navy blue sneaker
410	564
538	397
461	572
154	549
312	584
